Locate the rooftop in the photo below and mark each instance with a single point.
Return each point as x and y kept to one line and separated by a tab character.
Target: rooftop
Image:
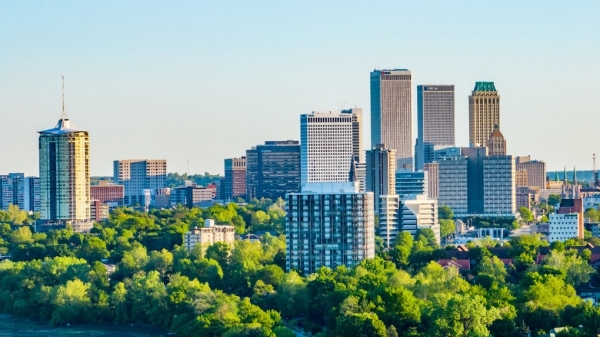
63	127
484	86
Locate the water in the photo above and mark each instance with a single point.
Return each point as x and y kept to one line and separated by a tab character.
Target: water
19	327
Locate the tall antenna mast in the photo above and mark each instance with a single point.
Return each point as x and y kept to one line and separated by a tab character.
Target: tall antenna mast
63	115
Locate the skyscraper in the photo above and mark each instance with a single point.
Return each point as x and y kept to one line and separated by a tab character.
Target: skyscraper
64	155
435	121
273	169
484	113
380	172
391	113
138	175
234	184
21	191
496	144
327	145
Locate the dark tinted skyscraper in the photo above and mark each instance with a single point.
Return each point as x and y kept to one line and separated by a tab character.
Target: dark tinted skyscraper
435	121
391	113
234	183
273	169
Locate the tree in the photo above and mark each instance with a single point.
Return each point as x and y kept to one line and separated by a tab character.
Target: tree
92	249
463	316
445	213
554	199
401	249
360	324
72	303
526	214
17	216
593	214
447	227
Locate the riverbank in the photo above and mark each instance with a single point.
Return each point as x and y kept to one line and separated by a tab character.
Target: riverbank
20	327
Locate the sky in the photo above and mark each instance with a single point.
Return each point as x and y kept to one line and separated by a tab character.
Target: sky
200	81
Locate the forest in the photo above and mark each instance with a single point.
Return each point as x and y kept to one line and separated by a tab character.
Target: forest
131	269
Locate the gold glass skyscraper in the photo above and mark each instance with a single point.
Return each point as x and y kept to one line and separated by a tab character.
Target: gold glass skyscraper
484	113
64	173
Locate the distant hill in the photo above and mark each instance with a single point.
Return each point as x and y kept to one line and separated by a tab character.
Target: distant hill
582	176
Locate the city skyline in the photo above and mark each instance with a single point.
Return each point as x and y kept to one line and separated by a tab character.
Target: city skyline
117	75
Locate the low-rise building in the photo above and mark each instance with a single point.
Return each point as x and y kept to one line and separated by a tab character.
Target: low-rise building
563	227
209	235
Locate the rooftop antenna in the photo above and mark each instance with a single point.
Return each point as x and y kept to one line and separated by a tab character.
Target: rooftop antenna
63	115
595	173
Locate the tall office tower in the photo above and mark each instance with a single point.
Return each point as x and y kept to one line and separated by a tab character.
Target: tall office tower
496	144
484	113
411	183
391	113
64	155
31	190
273	169
435	121
380	172
327	145
521	178
339	230
234	184
138	175
499	191
536	171
475	157
418	212
357	139
432	170
452	184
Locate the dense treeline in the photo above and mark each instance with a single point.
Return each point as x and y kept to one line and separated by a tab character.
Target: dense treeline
63	277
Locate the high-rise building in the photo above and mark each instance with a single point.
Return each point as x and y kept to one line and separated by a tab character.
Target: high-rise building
209	235
6	192
418	212
24	192
408	213
499	191
536	171
432	170
339	230
64	155
435	120
273	169
484	113
108	193
411	183
327	145
380	172
521	178
452	184
475	157
234	184
137	175
391	113
496	144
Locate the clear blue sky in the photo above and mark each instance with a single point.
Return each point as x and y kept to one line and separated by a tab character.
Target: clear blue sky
206	80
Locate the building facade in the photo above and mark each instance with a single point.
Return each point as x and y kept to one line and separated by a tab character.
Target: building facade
432	170
19	190
273	169
418	212
327	145
536	170
563	227
499	190
496	144
452	184
209	235
137	175
107	193
329	224
391	113
64	154
484	113
388	218
190	196
435	120
234	182
380	172
411	183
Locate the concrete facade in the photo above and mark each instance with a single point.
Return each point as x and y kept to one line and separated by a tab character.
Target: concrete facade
435	120
209	235
432	170
452	184
137	175
391	113
234	182
380	172
484	113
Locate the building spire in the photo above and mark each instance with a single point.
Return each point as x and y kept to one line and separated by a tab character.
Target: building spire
63	115
565	176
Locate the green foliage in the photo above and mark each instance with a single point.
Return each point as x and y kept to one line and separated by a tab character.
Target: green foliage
593	214
445	213
554	199
526	214
447	227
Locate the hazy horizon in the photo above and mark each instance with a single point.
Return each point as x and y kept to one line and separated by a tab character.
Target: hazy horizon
205	81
